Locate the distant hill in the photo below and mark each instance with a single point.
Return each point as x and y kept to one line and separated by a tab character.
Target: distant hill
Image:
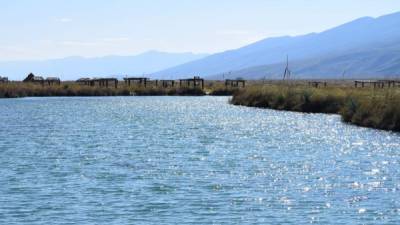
366	46
72	68
375	62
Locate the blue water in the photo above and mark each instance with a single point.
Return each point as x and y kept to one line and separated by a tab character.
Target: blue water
183	160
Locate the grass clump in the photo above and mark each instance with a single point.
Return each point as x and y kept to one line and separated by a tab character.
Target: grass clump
224	91
364	107
18	89
300	99
381	111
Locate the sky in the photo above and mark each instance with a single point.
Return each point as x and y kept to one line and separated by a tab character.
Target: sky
47	29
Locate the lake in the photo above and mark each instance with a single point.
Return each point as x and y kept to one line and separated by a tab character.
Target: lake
182	160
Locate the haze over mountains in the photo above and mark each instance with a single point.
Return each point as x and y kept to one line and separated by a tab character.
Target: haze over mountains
72	68
366	47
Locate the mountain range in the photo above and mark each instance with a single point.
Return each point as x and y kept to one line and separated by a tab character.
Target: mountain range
363	48
72	68
366	47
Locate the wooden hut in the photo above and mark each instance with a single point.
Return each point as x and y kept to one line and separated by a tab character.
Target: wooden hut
142	81
235	83
165	83
52	81
84	81
3	79
192	82
316	84
374	83
104	82
390	83
31	78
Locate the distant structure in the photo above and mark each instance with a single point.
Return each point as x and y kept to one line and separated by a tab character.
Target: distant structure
136	80
316	84
376	83
104	82
287	73
31	78
3	79
52	81
84	81
165	83
101	82
235	83
195	82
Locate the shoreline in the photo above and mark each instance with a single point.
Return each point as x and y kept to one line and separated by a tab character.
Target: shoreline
17	90
366	107
378	109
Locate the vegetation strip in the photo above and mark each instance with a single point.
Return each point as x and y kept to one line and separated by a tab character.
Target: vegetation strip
19	89
368	107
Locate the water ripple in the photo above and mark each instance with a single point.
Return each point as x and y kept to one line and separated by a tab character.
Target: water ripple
169	160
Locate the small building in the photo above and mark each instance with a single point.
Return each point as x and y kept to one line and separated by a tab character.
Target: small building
3	79
165	83
196	81
235	83
141	81
31	78
374	83
316	84
101	82
53	81
104	82
390	83
84	81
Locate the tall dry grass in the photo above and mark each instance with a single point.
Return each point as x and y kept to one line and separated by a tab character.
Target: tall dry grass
18	89
376	108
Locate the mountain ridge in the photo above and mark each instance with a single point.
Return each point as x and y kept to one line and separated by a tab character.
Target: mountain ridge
74	67
338	40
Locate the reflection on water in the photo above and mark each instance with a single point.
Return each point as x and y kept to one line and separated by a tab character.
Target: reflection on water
128	160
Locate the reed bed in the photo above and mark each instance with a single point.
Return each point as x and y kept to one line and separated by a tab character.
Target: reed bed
15	90
19	89
369	107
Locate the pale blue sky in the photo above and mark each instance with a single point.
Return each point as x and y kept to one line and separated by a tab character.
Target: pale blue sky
42	29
